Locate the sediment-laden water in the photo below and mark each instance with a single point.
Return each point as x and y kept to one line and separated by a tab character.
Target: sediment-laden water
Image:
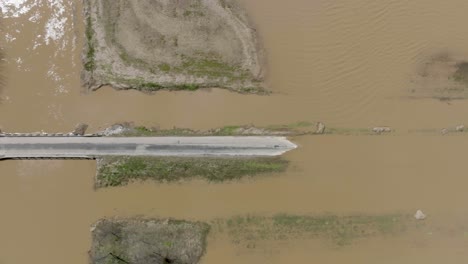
350	64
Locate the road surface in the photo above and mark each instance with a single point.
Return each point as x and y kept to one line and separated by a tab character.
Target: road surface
92	147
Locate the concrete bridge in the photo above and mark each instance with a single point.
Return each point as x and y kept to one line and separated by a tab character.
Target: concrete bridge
63	147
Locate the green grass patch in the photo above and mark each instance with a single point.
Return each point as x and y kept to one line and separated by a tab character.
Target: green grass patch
164	67
227	131
150	86
204	66
117	171
340	230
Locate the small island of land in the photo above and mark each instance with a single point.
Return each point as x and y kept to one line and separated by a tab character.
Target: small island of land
176	45
148	241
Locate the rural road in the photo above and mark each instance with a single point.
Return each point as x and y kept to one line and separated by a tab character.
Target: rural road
90	147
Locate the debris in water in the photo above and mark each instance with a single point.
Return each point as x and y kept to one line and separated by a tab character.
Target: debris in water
460	128
419	215
320	128
444	131
380	130
80	129
114	130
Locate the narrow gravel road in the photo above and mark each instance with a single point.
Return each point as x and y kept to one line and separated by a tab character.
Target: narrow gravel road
90	147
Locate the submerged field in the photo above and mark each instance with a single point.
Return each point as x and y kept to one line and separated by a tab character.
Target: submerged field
443	76
184	242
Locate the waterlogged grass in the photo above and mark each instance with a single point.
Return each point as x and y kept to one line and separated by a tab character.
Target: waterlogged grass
299	128
302	125
90	64
152	87
351	131
141	131
461	75
179	241
223	131
117	171
293	129
340	230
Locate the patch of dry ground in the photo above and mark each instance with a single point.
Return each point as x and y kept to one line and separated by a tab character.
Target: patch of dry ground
442	77
148	241
182	45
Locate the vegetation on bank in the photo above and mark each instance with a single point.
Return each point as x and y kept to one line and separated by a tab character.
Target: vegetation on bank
299	128
148	241
294	129
117	171
340	230
151	86
461	74
197	68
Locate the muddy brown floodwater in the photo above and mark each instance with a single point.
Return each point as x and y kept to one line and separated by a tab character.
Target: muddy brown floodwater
346	63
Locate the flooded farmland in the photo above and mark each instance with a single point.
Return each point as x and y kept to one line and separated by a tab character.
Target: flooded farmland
351	65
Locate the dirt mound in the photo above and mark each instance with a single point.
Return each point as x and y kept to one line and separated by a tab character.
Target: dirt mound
148	241
184	44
